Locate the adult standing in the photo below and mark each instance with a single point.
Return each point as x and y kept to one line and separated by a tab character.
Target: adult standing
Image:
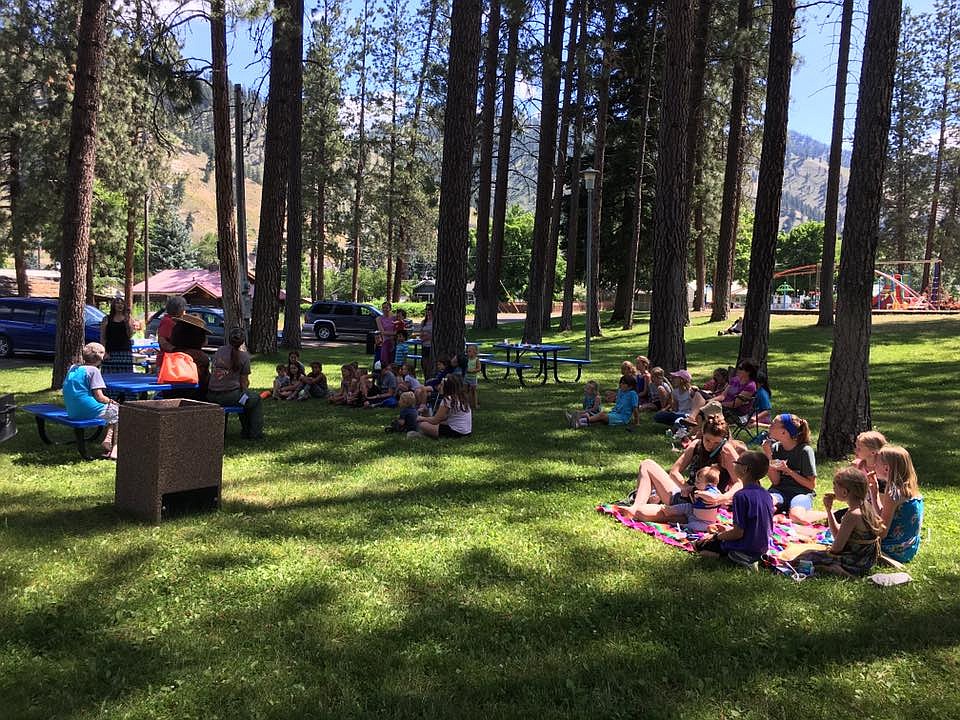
426	341
230	384
176	306
387	332
116	331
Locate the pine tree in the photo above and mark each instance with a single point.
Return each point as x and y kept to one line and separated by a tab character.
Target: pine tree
291	311
846	408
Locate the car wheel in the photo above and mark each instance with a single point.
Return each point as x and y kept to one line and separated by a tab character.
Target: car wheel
323	332
6	347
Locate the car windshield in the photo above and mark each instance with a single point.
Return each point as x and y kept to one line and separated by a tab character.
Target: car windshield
92	315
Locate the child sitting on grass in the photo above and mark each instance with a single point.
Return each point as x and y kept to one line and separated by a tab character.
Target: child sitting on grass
622	411
658	391
856	538
407	422
431	387
281	381
315	382
749	537
590	406
387	395
471	372
83	395
292	389
406	380
340	397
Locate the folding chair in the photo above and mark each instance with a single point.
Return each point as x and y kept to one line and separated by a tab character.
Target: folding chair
747	427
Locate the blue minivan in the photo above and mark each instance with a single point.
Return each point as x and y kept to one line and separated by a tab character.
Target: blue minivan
29	325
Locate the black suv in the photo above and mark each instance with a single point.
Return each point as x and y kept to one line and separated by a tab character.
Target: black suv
331	318
212	318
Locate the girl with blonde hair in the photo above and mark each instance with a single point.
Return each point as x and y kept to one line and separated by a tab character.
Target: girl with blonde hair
899	504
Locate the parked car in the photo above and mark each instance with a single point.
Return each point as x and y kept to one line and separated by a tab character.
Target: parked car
330	318
29	325
212	317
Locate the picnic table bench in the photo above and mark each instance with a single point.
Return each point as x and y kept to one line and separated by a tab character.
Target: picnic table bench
46	412
546	358
518	367
570	361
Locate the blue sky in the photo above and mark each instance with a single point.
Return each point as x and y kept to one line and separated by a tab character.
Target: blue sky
811	96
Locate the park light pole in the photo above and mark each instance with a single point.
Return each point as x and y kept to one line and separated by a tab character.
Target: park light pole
589	181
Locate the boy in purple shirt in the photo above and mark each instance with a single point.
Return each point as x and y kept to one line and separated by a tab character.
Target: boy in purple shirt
749	537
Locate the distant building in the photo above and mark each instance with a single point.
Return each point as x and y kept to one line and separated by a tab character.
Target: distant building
197	286
424	291
41	283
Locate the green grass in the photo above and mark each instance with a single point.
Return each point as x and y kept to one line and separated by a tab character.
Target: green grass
353	574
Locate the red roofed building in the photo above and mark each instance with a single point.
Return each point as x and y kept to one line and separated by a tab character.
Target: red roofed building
197	286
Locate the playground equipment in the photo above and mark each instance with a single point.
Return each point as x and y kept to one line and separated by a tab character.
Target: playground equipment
891	290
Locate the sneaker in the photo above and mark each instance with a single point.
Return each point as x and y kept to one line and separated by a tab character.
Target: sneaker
414	434
582	423
571	418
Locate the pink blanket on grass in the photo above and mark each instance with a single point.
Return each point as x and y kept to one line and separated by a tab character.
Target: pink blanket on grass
783	540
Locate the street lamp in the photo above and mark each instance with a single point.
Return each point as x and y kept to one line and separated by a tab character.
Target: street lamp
589	181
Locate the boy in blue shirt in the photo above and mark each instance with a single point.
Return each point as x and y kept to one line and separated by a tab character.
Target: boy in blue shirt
622	412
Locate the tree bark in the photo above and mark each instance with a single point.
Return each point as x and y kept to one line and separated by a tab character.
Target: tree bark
733	169
78	200
943	114
456	172
291	306
321	238
561	165
263	327
504	140
668	308
846	408
599	161
825	318
14	191
361	160
532	329
313	255
694	141
766	223
229	249
573	213
488	108
630	277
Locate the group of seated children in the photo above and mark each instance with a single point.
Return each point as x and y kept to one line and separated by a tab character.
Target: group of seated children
293	382
884	508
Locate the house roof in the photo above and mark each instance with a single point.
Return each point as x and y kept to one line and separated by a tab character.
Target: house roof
184	282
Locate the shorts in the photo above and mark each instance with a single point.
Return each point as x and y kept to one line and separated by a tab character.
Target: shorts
617	419
470	379
448	432
110	413
804	500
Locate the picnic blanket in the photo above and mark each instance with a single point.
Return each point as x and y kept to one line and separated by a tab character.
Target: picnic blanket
786	541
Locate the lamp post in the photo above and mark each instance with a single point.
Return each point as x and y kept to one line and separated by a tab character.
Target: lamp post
589	181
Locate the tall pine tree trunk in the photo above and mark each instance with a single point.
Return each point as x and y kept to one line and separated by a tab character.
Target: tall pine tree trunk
229	250
276	155
456	172
943	113
14	192
313	255
766	223
78	200
321	238
361	160
695	143
832	204
488	108
733	168
599	160
668	307
636	221
291	311
561	167
504	140
846	407
573	212
552	49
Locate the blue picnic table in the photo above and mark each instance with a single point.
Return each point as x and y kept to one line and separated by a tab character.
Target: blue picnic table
140	383
545	357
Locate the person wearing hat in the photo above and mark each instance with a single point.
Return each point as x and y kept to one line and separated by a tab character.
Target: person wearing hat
684	400
175	307
116	331
230	384
189	335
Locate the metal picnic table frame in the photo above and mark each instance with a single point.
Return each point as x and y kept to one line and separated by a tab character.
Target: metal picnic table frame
546	355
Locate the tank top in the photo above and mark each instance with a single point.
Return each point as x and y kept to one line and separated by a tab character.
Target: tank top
116	336
702	458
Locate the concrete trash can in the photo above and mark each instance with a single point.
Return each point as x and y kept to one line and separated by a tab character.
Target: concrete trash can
170	458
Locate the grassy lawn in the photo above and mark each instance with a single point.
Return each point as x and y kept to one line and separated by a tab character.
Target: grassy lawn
351	573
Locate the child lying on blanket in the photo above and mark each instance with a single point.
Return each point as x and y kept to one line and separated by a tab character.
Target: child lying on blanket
697	515
749	537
